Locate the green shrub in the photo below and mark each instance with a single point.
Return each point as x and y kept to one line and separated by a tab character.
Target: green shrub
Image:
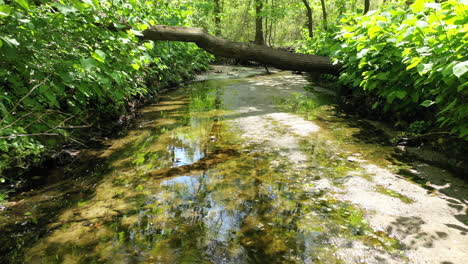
408	62
68	63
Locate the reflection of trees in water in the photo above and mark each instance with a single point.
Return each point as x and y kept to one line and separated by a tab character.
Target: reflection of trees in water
246	209
239	212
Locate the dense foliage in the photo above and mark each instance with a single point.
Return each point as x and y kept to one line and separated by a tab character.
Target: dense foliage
283	20
407	63
66	64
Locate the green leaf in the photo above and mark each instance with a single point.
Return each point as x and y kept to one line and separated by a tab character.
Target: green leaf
93	3
424	68
49	94
65	9
99	55
461	87
78	5
450	106
362	53
88	64
414	62
427	103
448	69
400	94
463	132
5	10
374	30
136	32
23	3
11	41
134	3
67	77
460	68
422	24
375	105
418	6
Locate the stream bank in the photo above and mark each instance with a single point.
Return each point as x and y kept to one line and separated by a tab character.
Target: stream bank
243	170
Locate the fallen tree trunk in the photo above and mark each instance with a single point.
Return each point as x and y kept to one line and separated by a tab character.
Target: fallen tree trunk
243	51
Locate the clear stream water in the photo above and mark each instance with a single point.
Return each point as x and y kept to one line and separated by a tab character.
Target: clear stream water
187	185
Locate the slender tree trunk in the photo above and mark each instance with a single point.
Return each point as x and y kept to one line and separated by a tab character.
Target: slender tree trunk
266	22
310	25
243	51
259	40
270	36
366	6
217	17
324	13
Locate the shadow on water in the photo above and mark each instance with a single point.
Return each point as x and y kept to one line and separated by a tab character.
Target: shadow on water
25	220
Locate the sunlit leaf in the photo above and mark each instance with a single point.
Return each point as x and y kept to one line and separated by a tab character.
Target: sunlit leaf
5	10
460	68
99	55
427	103
418	6
424	68
414	63
10	41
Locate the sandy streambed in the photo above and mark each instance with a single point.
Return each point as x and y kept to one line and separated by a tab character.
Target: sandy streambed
237	169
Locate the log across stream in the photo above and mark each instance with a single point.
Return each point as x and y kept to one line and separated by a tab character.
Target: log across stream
237	169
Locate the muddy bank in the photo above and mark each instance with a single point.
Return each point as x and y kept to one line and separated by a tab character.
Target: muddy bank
244	170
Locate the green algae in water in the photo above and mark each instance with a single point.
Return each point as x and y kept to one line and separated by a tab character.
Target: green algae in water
394	194
326	161
304	105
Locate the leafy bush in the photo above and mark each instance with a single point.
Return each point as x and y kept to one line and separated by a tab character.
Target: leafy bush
65	64
407	62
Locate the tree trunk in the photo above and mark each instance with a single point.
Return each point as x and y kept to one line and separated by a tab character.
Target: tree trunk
243	51
366	6
217	17
270	36
309	18
324	13
259	40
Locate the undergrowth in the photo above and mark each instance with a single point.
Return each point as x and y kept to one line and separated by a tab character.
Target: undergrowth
404	64
67	66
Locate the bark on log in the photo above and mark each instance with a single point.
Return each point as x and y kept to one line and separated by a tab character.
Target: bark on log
243	51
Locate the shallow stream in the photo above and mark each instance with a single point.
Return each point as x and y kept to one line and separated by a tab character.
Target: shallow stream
238	169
